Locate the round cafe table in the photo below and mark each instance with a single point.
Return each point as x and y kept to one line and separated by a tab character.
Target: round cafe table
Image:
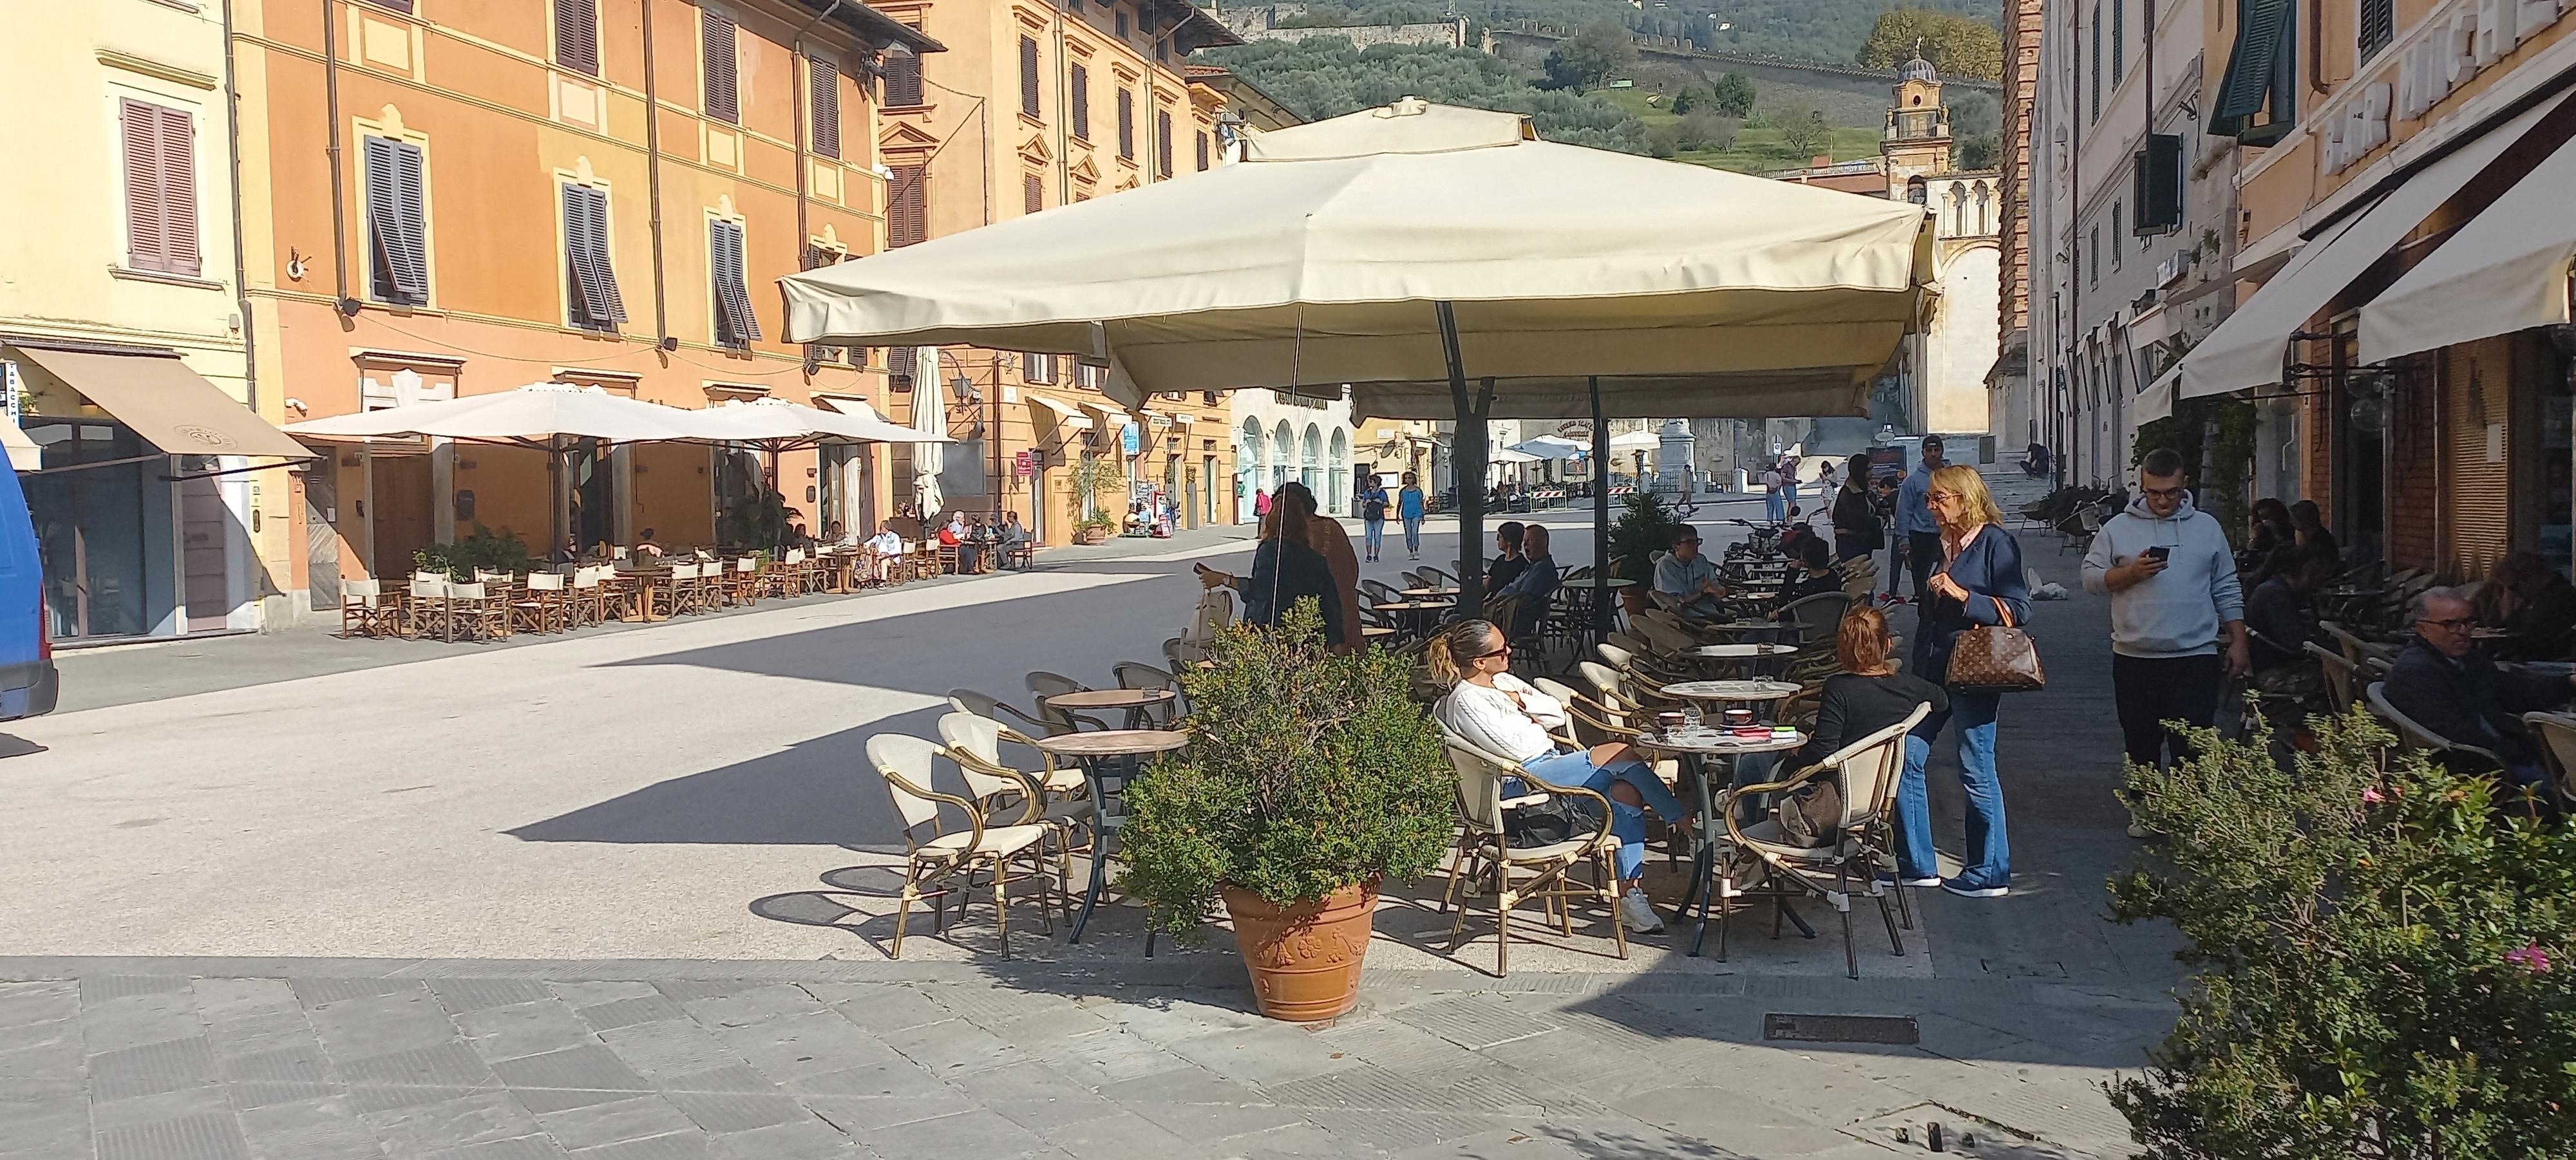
1744	654
1595	588
1428	593
1417	614
1699	749
1733	691
1141	704
1110	758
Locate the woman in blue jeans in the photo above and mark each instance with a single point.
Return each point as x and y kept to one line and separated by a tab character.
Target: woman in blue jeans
1503	715
1409	507
1978	582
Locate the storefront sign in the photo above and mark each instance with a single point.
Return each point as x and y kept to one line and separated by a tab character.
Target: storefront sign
2456	47
1025	465
1129	440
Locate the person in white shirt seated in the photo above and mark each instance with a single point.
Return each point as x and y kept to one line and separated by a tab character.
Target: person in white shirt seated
1503	715
887	546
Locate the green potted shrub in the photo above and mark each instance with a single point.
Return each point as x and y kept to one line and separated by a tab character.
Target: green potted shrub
1310	779
1645	527
2385	959
1094	479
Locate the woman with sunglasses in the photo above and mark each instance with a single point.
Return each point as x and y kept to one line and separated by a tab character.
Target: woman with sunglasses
1978	581
1503	715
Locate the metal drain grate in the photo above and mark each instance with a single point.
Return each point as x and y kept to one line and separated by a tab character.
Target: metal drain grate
1898	1029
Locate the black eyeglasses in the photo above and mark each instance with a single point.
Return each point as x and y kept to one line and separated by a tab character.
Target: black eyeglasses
1504	651
2454	624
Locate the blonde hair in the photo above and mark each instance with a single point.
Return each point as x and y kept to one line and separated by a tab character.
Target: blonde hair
1463	641
1963	481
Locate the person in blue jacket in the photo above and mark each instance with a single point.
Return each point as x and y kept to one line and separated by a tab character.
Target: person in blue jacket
1979	581
1408	507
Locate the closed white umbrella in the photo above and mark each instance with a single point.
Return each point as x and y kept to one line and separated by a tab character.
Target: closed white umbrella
1416	247
929	417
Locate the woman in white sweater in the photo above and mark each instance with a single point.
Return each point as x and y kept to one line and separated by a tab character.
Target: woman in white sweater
1503	715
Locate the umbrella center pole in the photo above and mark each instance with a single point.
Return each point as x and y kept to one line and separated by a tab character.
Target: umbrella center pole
1600	515
1467	456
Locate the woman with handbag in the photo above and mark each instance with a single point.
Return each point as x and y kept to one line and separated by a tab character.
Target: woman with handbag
1965	640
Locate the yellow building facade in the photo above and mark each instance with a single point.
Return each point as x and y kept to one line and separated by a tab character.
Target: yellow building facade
122	329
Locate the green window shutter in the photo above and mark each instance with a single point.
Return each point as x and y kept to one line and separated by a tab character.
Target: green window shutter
2264	33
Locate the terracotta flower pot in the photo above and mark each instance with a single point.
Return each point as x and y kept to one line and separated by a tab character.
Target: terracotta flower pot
1091	536
1633	599
1305	958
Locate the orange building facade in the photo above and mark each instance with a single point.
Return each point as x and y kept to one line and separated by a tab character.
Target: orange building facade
455	197
1032	107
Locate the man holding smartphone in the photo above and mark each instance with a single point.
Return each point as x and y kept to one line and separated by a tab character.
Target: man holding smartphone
2171	576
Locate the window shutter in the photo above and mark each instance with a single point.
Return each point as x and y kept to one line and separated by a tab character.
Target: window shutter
735	321
1029	76
402	6
2263	29
179	192
597	304
907	206
825	80
397	229
577	35
1127	124
2378	25
1081	103
146	237
716	48
902	79
1033	193
1162	143
1203	152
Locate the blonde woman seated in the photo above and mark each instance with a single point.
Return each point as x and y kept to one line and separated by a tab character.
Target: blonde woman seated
1501	714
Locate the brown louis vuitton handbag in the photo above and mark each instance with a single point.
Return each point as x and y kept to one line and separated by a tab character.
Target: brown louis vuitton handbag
1997	657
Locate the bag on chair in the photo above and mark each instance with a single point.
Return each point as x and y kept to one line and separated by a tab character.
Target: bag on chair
1811	818
1997	657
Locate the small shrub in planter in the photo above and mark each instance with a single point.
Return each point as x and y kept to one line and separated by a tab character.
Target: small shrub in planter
1310	779
2384	962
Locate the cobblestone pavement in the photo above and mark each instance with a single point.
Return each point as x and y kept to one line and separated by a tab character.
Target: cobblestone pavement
462	1060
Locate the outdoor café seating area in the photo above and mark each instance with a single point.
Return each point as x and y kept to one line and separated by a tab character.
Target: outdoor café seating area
631	587
1044	778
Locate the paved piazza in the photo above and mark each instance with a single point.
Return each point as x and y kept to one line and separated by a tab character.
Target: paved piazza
623	895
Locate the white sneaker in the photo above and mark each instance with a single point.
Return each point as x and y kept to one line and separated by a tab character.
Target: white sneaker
1954	887
2140	832
1639	914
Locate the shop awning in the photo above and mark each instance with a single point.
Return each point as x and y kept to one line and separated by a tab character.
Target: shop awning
173	408
24	455
2504	271
2247	350
2157	401
1066	415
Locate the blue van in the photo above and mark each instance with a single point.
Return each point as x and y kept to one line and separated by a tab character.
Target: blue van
28	685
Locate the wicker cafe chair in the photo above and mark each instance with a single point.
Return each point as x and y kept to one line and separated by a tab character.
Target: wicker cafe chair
2557	735
1016	796
905	764
1042	685
1817	618
1866	772
988	705
1519	874
1139	675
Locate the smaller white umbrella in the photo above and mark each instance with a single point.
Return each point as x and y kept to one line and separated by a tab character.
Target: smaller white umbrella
536	415
1508	455
1550	447
779	425
1636	441
930	417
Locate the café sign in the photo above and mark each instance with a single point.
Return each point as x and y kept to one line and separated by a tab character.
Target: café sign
2449	51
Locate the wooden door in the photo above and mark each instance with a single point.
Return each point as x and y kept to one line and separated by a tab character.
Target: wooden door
405	513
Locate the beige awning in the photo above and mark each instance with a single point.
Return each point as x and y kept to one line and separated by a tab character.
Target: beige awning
24	455
2157	401
173	408
1066	415
2247	350
2504	271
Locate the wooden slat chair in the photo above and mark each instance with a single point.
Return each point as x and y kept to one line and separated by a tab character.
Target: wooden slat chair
477	612
586	596
1520	874
905	763
428	611
365	611
1866	772
543	606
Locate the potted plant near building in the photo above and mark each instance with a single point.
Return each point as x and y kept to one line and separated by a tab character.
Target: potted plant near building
1645	527
1094	479
1310	779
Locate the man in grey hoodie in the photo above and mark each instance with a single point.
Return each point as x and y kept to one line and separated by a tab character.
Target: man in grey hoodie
2171	576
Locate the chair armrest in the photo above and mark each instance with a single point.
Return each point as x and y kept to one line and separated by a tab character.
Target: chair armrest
974	814
1735	828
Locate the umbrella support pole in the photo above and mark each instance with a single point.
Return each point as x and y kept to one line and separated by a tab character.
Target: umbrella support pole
1600	516
1467	456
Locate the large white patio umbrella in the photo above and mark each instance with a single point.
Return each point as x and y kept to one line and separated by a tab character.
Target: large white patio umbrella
1418	249
776	425
1636	441
1548	447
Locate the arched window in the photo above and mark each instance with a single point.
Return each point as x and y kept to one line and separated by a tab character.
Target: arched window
1338	500
1310	467
1985	208
1958	210
1283	455
1916	191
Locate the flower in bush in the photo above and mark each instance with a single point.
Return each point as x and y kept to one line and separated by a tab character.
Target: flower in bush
2529	957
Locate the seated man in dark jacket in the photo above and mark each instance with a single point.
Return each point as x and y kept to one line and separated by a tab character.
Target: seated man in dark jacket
2442	684
1508	562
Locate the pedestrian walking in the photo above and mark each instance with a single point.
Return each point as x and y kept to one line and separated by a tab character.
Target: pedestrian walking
1915	523
1774	508
1373	503
2171	576
1979	582
1260	503
1857	531
1789	467
1408	507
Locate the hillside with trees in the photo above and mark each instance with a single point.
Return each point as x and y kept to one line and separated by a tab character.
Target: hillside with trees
1326	77
1821	30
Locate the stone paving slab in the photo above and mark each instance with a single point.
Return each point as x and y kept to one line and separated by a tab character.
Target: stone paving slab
456	1060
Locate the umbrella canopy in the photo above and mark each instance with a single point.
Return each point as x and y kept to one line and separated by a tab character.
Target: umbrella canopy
777	424
1320	258
1636	441
1549	447
539	413
1511	455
